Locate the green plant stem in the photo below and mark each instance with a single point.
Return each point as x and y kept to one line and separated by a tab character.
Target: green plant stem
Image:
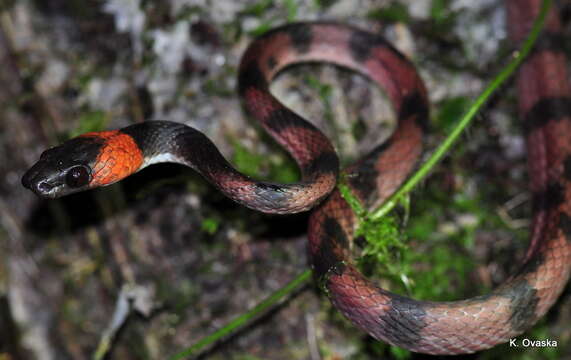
467	118
244	318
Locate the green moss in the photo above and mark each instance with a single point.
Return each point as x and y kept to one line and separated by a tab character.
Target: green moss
89	121
449	111
400	353
440	11
258	9
384	248
292	9
210	225
383	252
395	12
246	161
277	168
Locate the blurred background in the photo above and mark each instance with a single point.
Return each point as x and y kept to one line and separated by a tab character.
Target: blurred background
151	265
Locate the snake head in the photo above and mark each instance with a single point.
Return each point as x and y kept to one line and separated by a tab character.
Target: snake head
85	162
64	169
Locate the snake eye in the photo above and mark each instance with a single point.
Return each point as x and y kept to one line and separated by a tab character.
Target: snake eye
78	176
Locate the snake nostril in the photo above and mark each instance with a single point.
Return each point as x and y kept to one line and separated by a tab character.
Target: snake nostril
44	187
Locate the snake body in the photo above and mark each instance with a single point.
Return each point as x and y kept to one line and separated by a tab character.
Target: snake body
101	158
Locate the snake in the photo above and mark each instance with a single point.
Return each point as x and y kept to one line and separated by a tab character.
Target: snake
101	158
